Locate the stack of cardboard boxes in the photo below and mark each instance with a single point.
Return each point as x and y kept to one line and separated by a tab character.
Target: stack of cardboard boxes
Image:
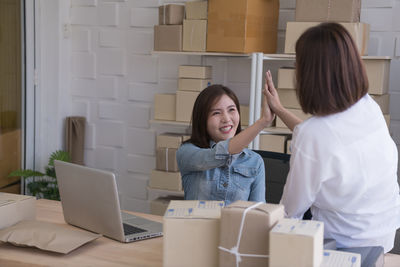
205	233
310	13
168	34
182	28
166	176
195	26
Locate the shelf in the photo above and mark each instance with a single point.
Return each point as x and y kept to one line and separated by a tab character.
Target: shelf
170	123
293	57
166	192
276	130
213	54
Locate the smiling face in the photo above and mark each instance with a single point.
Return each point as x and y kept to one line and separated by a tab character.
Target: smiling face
223	119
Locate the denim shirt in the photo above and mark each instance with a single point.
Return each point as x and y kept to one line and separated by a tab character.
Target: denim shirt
214	174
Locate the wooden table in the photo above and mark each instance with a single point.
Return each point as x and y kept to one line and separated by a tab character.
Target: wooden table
101	252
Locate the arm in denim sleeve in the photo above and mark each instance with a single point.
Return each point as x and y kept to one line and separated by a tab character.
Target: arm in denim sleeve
258	187
193	158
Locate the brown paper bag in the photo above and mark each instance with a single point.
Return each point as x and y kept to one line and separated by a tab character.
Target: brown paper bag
75	138
46	236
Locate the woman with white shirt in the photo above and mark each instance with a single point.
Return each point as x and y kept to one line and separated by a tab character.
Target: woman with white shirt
344	161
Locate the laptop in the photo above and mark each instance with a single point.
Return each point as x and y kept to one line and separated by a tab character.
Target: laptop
89	198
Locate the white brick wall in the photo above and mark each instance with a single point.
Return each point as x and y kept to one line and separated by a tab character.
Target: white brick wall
113	79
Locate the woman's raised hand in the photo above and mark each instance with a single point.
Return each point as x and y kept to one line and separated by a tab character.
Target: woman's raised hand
271	94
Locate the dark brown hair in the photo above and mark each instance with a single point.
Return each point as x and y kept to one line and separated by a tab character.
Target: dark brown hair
201	109
330	73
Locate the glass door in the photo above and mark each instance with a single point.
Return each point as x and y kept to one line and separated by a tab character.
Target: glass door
11	93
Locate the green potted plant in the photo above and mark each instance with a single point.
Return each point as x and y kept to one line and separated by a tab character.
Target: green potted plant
43	185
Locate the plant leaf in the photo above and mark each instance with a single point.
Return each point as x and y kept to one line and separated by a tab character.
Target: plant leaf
59	155
25	173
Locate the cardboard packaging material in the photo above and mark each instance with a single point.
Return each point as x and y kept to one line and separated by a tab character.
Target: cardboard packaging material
164	107
359	32
273	142
298	112
328	10
340	258
378	75
288	98
286	78
244	115
197	85
10	156
194	35
166	159
46	236
242	26
184	105
159	205
383	102
296	243
195	72
15	208
171	14
165	180
167	37
191	233
259	218
196	10
170	140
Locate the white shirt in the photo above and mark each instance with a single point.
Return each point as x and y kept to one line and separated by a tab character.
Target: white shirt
345	167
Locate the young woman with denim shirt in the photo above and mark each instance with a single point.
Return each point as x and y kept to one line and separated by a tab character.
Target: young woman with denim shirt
215	163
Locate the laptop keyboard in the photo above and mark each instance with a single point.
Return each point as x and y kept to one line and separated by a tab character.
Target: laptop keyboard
130	230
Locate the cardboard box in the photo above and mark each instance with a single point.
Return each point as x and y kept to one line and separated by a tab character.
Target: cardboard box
167	37
273	142
244	115
195	72
184	105
387	119
171	14
359	32
328	10
191	233
339	258
383	102
159	205
165	180
166	159
296	243
196	10
197	85
286	78
288	98
170	140
185	137
165	107
298	112
10	156
378	75
194	35
242	26
255	234
15	208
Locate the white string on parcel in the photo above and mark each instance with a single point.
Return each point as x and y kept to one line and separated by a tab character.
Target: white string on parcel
235	250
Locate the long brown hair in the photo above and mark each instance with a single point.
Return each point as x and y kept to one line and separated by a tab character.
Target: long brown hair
201	109
330	73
